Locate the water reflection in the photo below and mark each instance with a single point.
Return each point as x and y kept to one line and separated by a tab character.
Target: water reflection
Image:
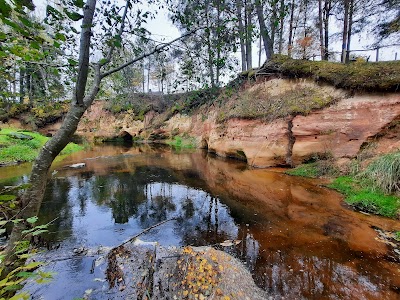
295	237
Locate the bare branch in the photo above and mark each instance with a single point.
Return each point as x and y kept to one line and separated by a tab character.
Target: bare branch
156	49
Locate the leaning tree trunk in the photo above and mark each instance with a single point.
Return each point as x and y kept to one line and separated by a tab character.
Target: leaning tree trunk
268	42
33	196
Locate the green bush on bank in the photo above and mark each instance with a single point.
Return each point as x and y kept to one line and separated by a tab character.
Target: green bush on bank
179	142
13	149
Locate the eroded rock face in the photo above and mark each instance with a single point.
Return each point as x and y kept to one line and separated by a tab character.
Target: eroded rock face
339	130
342	128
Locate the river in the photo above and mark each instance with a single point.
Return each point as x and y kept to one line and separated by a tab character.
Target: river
297	238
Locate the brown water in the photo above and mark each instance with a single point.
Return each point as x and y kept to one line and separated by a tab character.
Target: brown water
298	240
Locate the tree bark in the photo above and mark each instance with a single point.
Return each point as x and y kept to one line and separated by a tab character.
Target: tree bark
21	85
209	48
349	29
218	66
321	30
345	30
281	22
33	196
327	11
268	42
241	33
249	34
290	42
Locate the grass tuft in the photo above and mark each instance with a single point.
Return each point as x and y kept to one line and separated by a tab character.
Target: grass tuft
384	173
365	198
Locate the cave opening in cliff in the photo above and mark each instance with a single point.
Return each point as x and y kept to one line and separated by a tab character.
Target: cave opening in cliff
238	154
126	137
204	144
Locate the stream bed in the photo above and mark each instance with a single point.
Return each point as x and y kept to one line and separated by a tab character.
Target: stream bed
298	239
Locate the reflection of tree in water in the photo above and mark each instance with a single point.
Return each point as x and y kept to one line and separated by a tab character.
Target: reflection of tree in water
58	209
124	192
201	218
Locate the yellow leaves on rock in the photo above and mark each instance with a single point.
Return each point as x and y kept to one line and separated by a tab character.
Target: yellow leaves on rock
198	274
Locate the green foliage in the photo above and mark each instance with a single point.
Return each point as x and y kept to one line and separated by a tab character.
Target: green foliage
366	199
13	280
397	236
14	275
16	150
384	173
180	142
318	168
369	76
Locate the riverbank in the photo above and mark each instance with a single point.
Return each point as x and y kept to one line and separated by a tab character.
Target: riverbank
18	145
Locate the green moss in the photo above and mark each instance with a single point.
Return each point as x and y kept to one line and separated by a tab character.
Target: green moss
369	76
16	150
318	165
306	170
365	198
180	142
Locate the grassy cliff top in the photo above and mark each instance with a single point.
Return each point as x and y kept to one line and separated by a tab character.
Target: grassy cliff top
358	75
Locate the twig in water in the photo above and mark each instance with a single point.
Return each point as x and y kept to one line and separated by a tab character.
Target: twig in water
146	230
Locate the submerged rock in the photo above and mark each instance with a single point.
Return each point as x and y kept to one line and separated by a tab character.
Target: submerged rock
141	270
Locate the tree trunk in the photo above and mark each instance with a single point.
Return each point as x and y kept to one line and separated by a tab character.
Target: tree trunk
249	35
259	51
281	21
33	196
290	43
305	7
268	43
321	30
209	48
345	30
327	11
21	85
241	33
148	76
349	29
218	66
46	84
143	79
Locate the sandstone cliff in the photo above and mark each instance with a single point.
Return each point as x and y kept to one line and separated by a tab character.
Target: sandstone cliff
271	122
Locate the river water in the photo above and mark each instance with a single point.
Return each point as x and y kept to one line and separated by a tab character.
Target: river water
297	238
